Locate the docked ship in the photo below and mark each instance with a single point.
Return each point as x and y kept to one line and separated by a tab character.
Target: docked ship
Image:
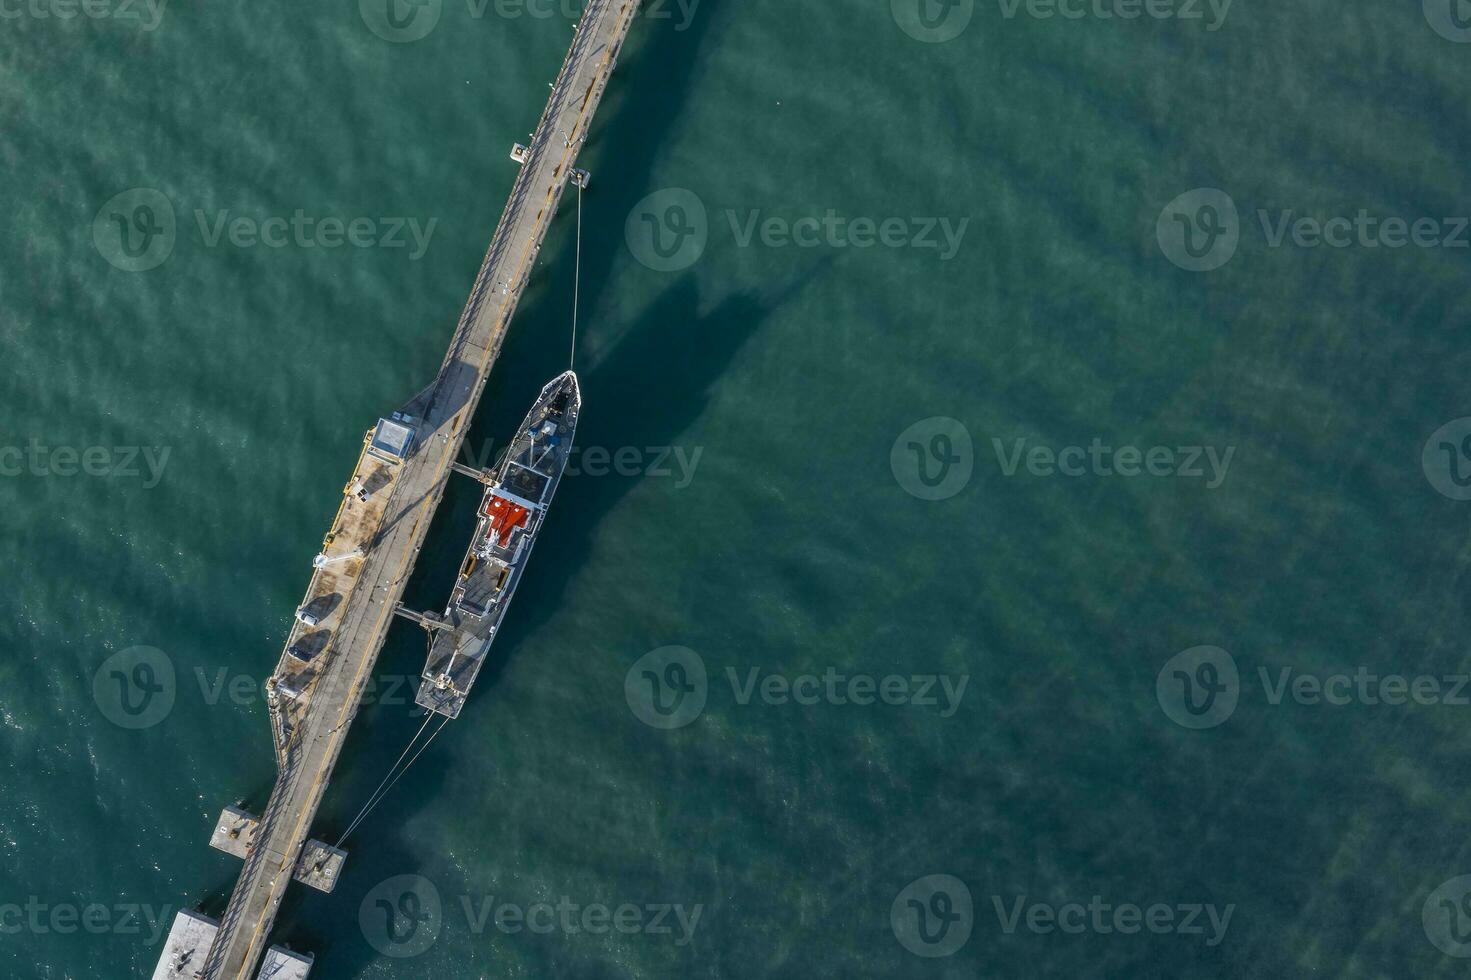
519	490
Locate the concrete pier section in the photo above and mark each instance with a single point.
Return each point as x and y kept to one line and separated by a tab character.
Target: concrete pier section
189	942
367	556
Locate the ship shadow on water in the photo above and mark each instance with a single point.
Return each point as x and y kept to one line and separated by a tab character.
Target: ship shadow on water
646	400
644	393
649	387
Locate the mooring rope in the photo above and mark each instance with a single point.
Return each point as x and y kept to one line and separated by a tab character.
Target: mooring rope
576	280
378	793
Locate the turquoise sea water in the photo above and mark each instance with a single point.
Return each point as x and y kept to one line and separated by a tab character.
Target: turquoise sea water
792	544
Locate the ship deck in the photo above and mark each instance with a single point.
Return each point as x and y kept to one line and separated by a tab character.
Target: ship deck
510	519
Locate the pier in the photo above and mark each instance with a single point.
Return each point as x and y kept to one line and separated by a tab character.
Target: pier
369	552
